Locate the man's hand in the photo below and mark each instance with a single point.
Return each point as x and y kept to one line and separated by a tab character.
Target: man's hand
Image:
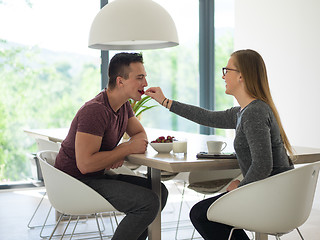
116	165
233	185
137	145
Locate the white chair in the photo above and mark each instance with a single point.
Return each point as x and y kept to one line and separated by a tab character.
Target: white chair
42	144
70	196
208	182
275	206
45	144
212	181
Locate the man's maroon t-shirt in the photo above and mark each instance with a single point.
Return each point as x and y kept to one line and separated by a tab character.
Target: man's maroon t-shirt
98	118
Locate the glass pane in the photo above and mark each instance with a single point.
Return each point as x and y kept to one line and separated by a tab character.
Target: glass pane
47	72
224	30
175	69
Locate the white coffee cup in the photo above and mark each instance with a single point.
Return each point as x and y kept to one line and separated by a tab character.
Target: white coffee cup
179	146
216	147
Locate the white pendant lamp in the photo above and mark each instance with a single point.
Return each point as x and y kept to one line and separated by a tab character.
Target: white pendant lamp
132	25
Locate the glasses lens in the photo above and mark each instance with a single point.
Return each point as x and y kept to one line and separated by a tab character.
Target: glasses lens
224	71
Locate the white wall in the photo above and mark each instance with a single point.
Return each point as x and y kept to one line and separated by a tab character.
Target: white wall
287	35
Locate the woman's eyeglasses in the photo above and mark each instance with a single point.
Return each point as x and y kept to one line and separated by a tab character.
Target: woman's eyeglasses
225	70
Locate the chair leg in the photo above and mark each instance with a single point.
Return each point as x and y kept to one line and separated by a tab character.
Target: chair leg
73	233
34	213
65	229
111	223
194	230
44	223
231	232
98	226
74	228
115	218
252	235
111	216
300	233
181	203
102	222
55	227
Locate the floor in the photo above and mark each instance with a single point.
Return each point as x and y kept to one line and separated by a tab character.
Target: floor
16	208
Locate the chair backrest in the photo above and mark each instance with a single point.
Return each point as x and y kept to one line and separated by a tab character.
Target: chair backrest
45	144
277	204
67	194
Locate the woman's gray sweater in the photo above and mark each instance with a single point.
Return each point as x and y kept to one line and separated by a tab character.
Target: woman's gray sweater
258	143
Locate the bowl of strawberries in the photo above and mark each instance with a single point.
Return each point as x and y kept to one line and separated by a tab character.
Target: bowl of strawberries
162	144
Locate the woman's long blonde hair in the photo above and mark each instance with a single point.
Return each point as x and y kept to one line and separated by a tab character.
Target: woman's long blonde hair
254	72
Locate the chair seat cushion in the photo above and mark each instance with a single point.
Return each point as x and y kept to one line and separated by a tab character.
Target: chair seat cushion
131	166
165	176
211	186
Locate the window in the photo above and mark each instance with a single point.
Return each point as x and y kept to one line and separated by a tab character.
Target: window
224	30
175	69
47	71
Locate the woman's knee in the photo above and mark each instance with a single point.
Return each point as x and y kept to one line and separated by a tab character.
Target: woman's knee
199	210
198	213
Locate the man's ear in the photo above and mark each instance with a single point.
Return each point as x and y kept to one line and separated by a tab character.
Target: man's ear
119	81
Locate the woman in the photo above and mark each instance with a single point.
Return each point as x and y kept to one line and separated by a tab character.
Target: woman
260	143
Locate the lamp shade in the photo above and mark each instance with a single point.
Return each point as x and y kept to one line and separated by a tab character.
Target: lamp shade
132	25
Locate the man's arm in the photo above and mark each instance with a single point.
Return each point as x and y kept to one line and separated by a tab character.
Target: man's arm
87	147
135	129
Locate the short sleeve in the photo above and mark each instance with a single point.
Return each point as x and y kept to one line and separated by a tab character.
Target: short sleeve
92	119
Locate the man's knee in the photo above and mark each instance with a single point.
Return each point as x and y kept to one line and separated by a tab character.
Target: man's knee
152	204
153	200
164	195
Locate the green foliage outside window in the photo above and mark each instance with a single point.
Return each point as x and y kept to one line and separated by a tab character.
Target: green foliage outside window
36	93
43	89
223	50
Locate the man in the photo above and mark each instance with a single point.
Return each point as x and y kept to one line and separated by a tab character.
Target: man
91	147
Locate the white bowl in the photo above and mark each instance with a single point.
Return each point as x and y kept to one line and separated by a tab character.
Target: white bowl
162	147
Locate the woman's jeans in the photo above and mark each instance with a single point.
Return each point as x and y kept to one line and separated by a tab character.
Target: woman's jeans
212	230
131	195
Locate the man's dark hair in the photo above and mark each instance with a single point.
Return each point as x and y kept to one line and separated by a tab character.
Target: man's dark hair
119	66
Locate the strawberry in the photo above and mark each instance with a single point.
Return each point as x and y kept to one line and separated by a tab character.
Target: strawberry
162	139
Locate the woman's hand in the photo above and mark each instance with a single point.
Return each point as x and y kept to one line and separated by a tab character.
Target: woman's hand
155	93
233	185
